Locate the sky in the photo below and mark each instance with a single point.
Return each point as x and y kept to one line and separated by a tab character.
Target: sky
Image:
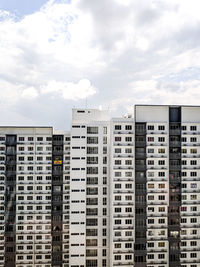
59	54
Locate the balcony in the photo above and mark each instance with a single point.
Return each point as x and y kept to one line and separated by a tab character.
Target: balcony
175	132
140	143
11	142
57	172
57	143
174	143
175	155
10	173
175	167
140	155
10	162
140	167
57	152
10	152
140	131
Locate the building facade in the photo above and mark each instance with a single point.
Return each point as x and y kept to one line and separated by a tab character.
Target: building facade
111	192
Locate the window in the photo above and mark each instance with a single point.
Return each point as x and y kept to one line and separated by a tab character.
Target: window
193	208
150	174
161	209
92	170
193	151
118	198
150	221
161	139
183	255
193	220
193	185
150	256
92	160
128	127
118	127
118	257
161	256
193	197
150	245
150	127
92	140
161	127
161	186
128	257
92	150
105	130
118	174
118	150
92	130
193	128
150	139
161	150
184	162
193	243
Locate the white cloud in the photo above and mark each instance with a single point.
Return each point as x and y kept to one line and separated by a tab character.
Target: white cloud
130	50
158	92
30	93
70	91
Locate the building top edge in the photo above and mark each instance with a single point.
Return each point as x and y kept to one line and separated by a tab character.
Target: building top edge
27	127
166	105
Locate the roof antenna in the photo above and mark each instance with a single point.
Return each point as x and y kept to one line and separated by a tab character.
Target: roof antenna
86	102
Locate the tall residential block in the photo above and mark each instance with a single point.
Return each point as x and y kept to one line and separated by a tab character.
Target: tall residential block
112	192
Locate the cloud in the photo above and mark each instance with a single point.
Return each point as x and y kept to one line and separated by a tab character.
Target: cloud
30	93
70	91
159	92
116	53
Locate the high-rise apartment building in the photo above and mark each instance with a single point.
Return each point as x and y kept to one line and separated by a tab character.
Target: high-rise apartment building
109	193
34	195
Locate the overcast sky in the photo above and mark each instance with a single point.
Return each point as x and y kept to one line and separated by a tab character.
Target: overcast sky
56	55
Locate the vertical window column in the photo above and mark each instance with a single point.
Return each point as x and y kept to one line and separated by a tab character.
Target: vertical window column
57	200
140	195
10	201
174	186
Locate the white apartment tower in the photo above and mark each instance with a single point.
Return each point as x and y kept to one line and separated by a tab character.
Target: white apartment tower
109	193
89	189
